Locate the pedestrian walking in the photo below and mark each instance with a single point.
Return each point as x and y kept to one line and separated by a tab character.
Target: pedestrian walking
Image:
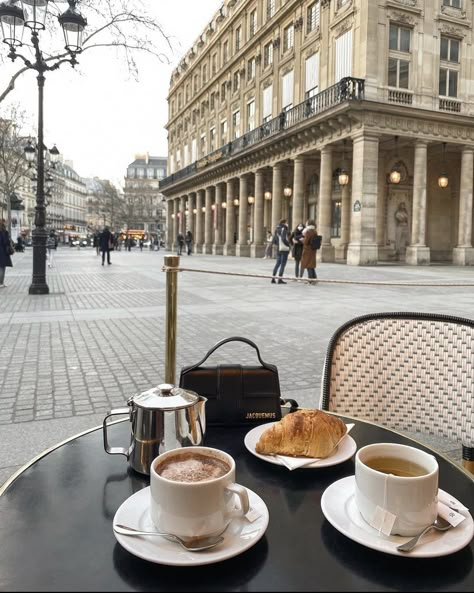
180	243
96	243
296	241
268	246
189	242
308	259
140	244
106	242
6	251
281	240
51	245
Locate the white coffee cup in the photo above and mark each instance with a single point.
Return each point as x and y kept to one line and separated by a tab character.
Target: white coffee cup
396	488
206	503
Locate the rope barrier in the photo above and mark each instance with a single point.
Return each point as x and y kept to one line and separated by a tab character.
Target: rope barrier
317	280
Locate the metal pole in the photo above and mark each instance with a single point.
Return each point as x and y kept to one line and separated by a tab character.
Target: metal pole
171	261
38	285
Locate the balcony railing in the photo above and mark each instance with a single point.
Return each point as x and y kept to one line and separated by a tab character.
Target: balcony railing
450	105
347	89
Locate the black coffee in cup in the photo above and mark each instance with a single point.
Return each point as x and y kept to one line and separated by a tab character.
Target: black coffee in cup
192	467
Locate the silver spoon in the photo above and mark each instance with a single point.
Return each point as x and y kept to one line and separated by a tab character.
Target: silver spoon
197	544
439	523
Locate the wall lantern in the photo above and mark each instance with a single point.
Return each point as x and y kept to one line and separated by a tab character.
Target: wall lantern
213	207
172	216
343	177
224	205
287	191
443	179
194	210
251	199
236	202
395	174
203	209
267	195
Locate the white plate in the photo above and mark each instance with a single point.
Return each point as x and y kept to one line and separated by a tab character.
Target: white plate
239	536
339	508
345	450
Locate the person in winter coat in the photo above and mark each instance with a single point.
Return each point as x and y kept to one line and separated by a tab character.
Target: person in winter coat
5	252
189	242
281	240
51	246
296	241
308	259
106	241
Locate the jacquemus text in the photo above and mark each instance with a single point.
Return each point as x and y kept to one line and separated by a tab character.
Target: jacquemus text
251	415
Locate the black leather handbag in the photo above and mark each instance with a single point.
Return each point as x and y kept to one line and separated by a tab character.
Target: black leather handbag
237	394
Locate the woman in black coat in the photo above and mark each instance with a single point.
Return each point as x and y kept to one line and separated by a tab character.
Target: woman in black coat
106	240
5	250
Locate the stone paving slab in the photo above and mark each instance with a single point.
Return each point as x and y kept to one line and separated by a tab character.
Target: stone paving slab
68	357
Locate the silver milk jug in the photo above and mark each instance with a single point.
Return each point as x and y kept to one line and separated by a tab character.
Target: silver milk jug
162	418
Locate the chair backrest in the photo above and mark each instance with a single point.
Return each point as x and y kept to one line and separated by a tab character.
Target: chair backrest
408	371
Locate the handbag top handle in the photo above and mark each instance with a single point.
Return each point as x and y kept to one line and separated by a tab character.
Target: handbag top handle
232	339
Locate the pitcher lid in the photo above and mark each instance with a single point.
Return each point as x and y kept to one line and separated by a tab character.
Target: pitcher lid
165	397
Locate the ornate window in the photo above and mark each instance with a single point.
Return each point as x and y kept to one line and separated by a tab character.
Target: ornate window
288	37
312	17
449	66
399	56
268	54
452	3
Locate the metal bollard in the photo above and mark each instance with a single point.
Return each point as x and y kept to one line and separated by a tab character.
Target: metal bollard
171	261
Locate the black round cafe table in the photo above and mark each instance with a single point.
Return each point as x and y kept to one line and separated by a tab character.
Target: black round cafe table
56	527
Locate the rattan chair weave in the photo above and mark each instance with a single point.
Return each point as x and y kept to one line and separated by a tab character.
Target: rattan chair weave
407	371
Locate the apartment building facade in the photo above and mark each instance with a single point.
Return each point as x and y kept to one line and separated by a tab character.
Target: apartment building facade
358	113
145	205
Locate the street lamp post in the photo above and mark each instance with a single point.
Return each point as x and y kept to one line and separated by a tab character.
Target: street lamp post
13	21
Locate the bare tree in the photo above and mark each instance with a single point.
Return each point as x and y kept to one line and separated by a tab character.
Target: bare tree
13	166
123	25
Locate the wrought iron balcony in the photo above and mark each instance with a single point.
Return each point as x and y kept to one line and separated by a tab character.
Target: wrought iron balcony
347	89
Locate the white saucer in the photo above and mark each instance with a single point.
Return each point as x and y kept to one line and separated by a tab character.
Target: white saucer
339	508
345	450
239	536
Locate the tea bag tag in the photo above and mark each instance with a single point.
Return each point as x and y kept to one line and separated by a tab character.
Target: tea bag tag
450	515
383	521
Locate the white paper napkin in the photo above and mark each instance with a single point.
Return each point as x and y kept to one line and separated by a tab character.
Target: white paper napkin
295	462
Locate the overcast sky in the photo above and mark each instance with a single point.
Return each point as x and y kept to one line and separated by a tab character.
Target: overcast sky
96	115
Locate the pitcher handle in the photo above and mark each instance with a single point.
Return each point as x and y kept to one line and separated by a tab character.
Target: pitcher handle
114	450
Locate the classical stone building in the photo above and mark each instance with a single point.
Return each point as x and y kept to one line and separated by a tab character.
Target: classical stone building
279	101
145	207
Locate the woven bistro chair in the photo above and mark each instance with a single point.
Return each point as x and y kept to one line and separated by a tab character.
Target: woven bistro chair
407	371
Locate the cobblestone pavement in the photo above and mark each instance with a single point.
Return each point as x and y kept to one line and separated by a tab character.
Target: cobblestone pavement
68	357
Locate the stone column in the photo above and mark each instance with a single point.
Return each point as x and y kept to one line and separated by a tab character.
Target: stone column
417	253
217	248
298	193
345	221
169	224
192	215
243	248
277	191
463	254
175	224
326	253
362	250
257	249
208	215
229	246
199	221
182	215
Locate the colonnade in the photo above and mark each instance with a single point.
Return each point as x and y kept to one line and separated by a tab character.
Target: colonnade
231	217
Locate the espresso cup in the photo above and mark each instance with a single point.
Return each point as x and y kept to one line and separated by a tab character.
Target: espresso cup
193	492
396	488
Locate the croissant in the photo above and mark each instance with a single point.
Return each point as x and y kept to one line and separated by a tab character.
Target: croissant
304	433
